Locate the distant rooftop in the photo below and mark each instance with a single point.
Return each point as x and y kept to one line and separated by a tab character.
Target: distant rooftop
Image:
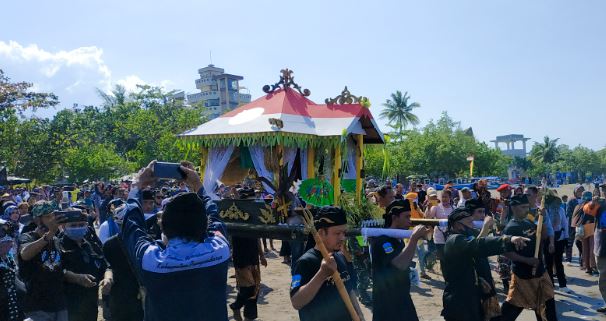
510	138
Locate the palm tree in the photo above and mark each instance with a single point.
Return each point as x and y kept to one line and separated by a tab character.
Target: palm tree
398	112
117	96
545	152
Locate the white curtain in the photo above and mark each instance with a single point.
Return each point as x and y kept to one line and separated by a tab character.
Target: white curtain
351	160
216	162
257	154
303	158
290	154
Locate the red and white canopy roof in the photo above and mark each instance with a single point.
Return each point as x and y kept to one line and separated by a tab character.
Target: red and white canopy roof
298	114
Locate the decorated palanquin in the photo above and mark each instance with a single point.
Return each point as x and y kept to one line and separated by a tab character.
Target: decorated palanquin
279	138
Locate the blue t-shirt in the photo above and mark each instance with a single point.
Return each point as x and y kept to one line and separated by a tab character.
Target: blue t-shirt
185	281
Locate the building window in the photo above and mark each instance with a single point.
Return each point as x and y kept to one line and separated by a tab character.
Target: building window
211	102
233	85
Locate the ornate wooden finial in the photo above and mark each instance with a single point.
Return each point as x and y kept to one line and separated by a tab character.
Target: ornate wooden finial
345	98
286	80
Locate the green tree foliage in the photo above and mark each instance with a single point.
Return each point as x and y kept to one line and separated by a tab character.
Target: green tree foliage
125	133
16	96
546	151
439	149
15	99
548	157
398	111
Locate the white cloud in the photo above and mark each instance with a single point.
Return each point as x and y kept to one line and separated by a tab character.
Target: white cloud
72	74
50	63
130	82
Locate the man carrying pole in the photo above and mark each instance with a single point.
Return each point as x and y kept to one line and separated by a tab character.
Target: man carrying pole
391	262
531	286
317	292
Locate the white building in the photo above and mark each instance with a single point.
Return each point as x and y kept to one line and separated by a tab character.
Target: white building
219	91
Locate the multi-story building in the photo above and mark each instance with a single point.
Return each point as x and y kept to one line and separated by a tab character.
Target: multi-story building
219	91
510	141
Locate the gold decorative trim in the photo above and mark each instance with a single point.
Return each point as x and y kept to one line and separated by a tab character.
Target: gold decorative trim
266	216
286	81
234	213
345	98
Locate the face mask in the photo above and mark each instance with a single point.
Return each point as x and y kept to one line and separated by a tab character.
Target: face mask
76	233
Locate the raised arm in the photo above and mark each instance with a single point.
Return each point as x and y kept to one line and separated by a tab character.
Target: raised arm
484	246
403	260
134	235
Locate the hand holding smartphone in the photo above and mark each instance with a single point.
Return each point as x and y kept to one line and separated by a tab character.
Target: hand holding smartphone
168	170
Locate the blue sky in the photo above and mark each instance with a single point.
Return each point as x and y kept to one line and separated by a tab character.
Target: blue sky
530	67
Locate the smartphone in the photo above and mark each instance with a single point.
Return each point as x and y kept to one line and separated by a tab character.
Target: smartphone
168	170
72	216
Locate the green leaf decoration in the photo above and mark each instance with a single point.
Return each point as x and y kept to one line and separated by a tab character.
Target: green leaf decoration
349	185
317	192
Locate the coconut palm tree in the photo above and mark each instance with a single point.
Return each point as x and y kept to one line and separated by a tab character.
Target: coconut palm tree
545	152
398	111
118	96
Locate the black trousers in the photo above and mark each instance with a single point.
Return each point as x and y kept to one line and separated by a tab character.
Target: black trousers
510	312
83	307
246	298
493	319
555	260
570	243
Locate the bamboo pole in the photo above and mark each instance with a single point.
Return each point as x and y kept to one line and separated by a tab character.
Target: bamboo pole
336	276
336	177
311	156
539	234
359	162
287	232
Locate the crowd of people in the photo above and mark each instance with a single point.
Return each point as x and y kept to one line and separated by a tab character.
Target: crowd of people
158	250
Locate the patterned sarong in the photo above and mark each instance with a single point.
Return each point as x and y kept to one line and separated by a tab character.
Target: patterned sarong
504	267
530	293
249	276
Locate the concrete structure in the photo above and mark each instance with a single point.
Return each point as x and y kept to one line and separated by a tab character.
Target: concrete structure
509	141
219	91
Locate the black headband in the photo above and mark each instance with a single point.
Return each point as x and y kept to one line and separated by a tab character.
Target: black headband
457	215
330	216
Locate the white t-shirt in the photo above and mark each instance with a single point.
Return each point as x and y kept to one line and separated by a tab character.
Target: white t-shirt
441	212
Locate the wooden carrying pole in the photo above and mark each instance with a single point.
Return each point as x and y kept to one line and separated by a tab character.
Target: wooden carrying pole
539	234
309	222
